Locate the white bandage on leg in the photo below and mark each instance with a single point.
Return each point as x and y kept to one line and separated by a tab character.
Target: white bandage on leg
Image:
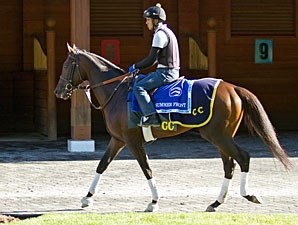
153	187
224	190
244	184
147	133
94	185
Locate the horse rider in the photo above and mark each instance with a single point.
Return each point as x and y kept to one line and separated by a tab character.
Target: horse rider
165	52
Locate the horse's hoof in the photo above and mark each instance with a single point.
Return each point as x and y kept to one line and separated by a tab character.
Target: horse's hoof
210	209
152	207
87	201
257	199
254	198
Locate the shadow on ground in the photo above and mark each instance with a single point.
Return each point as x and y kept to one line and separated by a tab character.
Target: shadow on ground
188	145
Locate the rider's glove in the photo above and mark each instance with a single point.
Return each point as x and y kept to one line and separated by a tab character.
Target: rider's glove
132	68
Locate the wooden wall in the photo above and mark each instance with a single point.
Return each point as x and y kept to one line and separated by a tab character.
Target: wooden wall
182	18
6	102
23	101
274	84
188	27
36	12
16	102
16	87
11	34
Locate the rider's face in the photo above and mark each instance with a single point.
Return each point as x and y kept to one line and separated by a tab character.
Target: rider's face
149	23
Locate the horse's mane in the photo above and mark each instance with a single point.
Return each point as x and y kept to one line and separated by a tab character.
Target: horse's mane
101	59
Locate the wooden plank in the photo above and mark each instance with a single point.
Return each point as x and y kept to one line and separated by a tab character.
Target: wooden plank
11	32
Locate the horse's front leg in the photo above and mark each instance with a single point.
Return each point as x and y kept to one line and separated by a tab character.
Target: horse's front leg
114	147
137	149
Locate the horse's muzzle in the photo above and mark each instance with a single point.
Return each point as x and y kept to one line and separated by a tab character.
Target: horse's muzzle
63	95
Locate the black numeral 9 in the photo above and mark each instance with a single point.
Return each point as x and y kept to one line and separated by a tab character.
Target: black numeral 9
263	49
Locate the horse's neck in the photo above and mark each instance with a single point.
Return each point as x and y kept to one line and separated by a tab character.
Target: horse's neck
111	95
104	92
98	71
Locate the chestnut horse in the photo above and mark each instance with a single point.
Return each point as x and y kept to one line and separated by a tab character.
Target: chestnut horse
231	104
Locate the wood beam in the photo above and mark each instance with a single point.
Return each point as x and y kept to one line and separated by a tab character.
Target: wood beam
80	36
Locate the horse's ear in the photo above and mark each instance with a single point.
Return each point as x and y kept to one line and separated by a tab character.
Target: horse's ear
70	50
74	46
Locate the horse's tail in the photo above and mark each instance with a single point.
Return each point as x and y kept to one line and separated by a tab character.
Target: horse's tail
257	121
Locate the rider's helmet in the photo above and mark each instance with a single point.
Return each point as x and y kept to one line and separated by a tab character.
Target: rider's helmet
155	12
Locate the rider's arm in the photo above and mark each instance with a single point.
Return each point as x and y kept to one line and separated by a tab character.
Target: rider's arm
149	60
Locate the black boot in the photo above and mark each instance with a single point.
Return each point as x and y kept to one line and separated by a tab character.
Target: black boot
151	120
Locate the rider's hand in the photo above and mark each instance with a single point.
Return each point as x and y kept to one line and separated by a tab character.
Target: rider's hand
132	68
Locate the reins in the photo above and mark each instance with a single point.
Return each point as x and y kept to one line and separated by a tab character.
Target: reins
123	78
110	80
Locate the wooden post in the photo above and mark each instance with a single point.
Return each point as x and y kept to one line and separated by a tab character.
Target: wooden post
52	117
80	106
211	47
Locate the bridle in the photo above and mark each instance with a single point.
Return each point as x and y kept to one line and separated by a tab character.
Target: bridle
70	88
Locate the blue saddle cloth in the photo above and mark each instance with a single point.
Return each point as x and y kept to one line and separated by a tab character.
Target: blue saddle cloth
185	102
174	97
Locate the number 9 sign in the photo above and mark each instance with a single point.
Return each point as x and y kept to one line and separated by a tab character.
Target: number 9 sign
263	51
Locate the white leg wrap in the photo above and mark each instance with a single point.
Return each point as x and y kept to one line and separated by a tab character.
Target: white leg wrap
153	187
224	190
147	133
244	184
94	185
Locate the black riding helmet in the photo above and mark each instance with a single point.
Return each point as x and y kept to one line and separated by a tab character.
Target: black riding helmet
155	12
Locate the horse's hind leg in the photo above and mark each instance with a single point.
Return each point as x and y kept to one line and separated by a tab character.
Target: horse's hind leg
243	159
229	148
113	148
229	167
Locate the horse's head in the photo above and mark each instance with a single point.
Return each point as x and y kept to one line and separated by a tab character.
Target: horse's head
81	65
70	77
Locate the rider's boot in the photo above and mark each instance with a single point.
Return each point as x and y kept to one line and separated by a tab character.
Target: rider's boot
151	120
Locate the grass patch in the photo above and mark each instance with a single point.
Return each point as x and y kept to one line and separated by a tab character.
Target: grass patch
161	219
